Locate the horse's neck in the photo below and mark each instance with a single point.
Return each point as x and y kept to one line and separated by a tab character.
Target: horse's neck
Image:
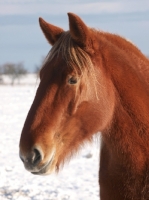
128	74
127	140
128	134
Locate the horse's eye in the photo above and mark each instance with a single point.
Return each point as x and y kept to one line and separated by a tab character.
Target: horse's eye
72	80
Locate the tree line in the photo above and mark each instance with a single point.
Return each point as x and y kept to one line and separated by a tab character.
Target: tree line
15	71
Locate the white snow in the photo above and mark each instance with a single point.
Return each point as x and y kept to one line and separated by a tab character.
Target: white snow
77	181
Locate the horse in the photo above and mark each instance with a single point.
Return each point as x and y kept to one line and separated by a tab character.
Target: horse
91	81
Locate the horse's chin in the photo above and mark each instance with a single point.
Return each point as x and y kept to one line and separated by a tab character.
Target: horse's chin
47	170
44	173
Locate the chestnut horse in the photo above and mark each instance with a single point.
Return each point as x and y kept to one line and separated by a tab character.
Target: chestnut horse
91	81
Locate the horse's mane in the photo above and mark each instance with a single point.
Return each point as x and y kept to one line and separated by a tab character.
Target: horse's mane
130	49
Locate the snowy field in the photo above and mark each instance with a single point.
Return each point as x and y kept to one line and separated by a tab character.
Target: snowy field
77	181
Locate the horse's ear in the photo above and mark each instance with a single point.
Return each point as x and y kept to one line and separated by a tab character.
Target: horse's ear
80	33
51	32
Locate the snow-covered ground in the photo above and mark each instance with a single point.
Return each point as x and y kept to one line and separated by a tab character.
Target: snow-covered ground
77	181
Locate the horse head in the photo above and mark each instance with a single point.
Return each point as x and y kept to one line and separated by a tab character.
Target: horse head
72	102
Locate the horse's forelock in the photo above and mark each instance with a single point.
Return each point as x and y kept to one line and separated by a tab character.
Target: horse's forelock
74	56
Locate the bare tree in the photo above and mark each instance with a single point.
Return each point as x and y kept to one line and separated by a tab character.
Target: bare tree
14	71
20	71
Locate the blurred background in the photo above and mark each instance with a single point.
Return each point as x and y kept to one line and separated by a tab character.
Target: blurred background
22	50
21	40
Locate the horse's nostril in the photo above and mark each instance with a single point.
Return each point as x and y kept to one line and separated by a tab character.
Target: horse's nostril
36	157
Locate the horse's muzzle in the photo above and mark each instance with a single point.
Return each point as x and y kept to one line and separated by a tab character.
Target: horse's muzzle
33	161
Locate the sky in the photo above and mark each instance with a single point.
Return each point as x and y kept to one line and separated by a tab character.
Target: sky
21	39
